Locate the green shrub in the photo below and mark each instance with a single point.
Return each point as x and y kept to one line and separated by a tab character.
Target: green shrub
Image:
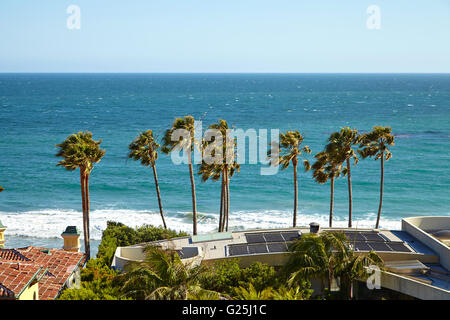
260	275
119	235
97	283
225	276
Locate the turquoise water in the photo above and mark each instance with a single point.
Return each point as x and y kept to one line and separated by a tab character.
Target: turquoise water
38	111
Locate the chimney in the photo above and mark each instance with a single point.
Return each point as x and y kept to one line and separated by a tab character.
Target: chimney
314	227
2	235
71	238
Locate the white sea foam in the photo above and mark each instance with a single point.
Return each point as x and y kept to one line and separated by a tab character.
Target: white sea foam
51	223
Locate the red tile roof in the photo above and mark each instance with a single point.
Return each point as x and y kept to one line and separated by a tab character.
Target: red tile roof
15	276
5	292
12	255
59	265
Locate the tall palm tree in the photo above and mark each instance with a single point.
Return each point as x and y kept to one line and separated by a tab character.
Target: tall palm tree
187	123
290	150
317	256
224	169
341	144
163	276
376	144
212	171
80	151
145	148
327	168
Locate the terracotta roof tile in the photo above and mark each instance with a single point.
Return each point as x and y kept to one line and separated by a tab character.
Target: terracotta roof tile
5	292
15	276
12	255
57	263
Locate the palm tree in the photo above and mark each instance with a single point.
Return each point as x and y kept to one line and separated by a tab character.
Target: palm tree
162	275
145	148
317	256
341	144
80	151
326	167
224	169
187	123
375	144
290	149
355	268
327	256
216	172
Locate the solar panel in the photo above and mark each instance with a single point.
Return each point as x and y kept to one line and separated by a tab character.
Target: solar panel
277	247
188	252
237	249
398	246
384	237
372	236
354	236
255	238
379	246
362	246
290	235
257	248
273	237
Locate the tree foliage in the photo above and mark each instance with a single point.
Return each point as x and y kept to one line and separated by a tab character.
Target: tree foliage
225	276
119	235
97	283
163	276
80	150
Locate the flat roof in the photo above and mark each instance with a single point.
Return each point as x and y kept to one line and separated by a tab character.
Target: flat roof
217	245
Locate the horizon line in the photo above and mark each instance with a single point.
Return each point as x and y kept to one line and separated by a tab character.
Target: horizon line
206	72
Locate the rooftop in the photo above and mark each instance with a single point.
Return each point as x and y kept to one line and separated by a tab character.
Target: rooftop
57	266
253	244
419	262
71	230
15	277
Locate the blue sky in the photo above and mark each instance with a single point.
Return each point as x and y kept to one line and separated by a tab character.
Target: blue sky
225	36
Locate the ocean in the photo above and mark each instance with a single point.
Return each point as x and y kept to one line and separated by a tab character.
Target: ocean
37	111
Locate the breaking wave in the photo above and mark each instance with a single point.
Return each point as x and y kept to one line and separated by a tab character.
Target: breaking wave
51	223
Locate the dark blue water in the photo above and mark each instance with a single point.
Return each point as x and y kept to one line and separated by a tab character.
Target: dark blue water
38	111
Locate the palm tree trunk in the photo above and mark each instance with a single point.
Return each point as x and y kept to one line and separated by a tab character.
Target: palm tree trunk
331	202
381	191
194	201
351	289
88	230
350	203
294	223
227	198
330	278
159	196
222	191
224	214
83	203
